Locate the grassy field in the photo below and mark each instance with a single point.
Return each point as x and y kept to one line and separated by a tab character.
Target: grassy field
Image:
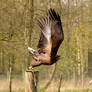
18	85
67	90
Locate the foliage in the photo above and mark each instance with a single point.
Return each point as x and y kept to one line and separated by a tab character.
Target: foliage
42	89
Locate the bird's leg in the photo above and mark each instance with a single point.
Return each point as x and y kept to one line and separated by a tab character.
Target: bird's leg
34	64
31	68
36	58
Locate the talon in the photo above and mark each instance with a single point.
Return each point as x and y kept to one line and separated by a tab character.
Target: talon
36	58
31	67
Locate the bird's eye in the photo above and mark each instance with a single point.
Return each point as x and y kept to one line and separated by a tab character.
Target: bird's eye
44	52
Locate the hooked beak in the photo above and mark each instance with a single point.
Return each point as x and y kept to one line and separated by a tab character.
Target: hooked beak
62	57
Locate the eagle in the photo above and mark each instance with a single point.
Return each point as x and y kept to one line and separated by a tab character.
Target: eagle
50	40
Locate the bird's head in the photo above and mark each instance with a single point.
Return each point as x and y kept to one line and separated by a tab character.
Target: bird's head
61	57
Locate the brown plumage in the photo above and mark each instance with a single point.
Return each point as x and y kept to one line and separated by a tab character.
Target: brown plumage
51	37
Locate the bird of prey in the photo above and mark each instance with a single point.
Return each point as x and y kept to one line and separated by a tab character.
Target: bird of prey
50	40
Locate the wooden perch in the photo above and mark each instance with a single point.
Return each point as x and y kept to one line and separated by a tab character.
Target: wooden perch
31	80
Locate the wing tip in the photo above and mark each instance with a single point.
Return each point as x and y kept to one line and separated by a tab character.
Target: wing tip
53	15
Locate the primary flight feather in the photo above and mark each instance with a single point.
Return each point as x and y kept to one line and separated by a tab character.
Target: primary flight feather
50	40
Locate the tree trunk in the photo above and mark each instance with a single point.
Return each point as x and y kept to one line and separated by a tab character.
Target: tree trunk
10	73
60	83
49	82
29	14
2	60
10	80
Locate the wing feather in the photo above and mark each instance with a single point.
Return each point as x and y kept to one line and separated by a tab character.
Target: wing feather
57	35
45	39
51	33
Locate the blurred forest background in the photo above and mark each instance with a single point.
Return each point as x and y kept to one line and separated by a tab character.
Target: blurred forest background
19	29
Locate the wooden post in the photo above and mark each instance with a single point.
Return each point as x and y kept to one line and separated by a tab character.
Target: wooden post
31	81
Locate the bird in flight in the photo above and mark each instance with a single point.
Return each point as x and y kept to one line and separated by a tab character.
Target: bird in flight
50	40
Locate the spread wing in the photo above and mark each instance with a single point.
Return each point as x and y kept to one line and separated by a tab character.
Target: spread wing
51	33
45	45
57	35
